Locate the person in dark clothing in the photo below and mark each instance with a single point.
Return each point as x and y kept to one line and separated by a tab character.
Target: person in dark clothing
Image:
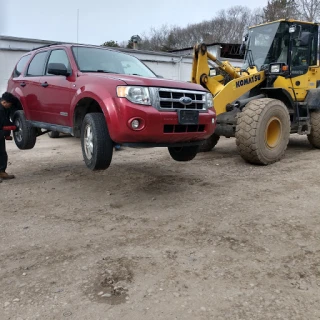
6	102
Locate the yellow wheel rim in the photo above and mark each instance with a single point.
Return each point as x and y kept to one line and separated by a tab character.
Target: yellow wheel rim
273	132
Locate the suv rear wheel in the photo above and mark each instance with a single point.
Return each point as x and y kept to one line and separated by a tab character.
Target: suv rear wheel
25	136
54	134
97	146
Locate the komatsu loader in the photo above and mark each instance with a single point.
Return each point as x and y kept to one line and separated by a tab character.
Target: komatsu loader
275	93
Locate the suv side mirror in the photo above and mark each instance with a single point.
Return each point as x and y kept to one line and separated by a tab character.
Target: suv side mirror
58	69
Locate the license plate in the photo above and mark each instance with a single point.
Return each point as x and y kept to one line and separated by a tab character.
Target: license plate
188	117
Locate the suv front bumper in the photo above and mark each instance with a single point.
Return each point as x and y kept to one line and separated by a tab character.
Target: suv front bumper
157	127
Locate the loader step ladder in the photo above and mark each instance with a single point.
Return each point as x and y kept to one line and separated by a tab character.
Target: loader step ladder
304	125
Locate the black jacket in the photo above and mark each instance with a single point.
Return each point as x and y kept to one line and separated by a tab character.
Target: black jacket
4	120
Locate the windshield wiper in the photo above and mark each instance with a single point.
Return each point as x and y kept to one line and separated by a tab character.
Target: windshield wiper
100	70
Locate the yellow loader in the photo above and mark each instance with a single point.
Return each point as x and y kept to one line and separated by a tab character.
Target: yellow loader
275	93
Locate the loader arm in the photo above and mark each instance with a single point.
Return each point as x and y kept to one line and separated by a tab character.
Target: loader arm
223	94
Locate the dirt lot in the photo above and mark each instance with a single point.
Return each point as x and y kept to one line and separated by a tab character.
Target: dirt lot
151	238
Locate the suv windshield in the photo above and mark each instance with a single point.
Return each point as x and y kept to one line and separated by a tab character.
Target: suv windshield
103	60
268	43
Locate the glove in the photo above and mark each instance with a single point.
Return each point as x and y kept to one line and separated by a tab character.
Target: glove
10	128
7	131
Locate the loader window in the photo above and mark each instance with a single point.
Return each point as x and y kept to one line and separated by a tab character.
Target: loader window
304	52
266	44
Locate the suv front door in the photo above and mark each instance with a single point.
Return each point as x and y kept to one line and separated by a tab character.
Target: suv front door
56	91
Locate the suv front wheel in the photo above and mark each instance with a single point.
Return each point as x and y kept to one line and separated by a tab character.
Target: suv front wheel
97	146
183	153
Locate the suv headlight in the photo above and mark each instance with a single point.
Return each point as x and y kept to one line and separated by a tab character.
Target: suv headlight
138	95
209	100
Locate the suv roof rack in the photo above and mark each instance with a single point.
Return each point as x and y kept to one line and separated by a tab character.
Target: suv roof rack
47	45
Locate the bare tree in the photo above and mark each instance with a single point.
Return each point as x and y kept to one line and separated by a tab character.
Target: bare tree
280	9
227	26
309	9
111	43
256	17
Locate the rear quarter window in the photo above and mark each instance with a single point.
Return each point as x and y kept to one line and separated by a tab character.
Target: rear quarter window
21	66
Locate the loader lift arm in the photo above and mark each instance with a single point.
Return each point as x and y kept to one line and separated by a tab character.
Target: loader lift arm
224	92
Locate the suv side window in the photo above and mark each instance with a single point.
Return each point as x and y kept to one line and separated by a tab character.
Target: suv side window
20	66
36	66
58	56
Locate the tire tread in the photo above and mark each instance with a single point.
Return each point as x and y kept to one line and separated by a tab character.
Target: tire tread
247	130
314	136
104	144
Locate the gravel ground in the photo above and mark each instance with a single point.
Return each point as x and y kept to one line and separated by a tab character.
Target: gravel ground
150	238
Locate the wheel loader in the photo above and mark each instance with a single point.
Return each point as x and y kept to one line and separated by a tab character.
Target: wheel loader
275	93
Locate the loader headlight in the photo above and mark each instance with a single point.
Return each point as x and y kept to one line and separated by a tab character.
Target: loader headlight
138	95
209	100
213	72
275	68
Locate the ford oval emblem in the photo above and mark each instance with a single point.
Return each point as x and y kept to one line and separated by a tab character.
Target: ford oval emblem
185	100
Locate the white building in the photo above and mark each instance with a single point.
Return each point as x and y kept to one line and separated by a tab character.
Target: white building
175	65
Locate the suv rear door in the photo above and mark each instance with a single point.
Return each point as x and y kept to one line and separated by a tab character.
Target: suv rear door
16	83
31	86
56	90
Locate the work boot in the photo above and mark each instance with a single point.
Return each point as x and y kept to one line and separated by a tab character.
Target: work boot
5	176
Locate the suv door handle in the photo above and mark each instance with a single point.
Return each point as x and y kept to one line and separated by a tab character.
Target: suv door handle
44	84
22	84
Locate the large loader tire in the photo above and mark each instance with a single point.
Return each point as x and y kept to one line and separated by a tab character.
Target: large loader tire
209	143
263	131
314	136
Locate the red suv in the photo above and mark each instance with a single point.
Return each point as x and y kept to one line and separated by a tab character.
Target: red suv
106	97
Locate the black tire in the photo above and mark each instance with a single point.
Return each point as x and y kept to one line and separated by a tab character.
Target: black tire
183	153
314	136
209	143
263	131
54	134
97	151
25	137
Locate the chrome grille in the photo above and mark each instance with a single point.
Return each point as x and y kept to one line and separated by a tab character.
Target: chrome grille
169	99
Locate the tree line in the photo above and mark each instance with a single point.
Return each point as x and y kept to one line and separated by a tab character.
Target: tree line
227	26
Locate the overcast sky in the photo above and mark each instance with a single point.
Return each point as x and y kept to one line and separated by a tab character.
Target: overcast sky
103	20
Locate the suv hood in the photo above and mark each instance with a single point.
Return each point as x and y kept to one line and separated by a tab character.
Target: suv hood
151	82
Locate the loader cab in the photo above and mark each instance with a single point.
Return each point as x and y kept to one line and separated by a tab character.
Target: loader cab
289	46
